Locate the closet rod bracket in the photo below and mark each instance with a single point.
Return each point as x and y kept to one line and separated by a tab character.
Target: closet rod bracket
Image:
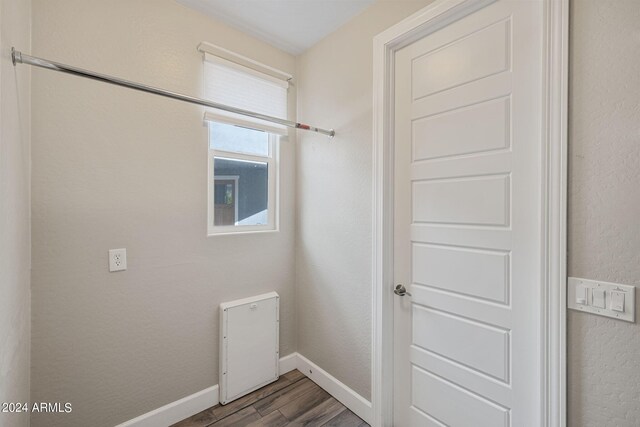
16	56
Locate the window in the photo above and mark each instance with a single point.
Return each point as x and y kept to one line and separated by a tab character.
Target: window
243	176
243	151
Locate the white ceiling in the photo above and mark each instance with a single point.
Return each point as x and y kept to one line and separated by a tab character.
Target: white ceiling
291	25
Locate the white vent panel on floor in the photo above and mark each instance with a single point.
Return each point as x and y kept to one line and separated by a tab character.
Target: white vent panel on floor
249	345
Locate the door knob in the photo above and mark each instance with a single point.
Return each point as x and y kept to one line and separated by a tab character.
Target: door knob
400	290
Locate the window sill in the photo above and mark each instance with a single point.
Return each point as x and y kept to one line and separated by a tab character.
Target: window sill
212	233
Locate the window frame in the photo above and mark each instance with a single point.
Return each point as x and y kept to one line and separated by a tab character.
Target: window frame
273	178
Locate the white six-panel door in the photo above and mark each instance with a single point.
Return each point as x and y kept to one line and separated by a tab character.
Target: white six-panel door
467	222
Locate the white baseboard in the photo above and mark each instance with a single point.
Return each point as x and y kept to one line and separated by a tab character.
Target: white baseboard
176	411
349	398
288	363
197	402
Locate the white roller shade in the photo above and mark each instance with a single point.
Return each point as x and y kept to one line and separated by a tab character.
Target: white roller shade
241	87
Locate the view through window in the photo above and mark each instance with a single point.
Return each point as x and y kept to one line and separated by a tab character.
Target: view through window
242	170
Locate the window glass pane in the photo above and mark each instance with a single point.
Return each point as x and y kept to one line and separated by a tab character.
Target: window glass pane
237	139
240	192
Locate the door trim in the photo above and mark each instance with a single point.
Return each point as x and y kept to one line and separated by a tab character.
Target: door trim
554	203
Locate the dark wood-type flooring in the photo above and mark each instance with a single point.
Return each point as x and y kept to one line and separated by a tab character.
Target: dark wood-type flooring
293	400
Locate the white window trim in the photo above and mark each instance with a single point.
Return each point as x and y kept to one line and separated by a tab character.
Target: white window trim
273	196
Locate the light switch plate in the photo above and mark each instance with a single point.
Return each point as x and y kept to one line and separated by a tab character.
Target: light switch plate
602	298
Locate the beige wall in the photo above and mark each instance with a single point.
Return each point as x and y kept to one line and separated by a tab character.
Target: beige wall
333	240
604	206
113	168
15	247
117	168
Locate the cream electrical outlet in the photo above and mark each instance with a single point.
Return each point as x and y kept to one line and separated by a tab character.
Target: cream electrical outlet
117	260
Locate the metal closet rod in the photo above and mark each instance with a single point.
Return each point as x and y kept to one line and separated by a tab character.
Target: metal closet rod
20	58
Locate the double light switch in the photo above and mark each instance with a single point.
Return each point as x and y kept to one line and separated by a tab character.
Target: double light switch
602	298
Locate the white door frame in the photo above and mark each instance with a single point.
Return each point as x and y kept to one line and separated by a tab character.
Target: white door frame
554	132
